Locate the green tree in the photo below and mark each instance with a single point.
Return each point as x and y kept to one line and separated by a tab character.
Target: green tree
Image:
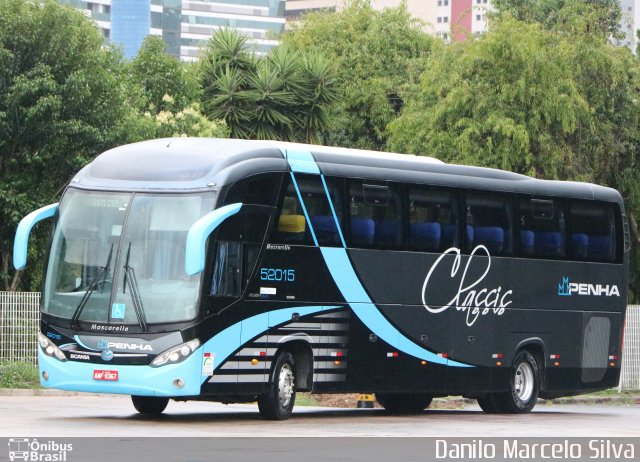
61	102
282	95
534	101
379	55
159	74
584	16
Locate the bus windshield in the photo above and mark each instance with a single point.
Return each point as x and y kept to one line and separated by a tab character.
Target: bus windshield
119	257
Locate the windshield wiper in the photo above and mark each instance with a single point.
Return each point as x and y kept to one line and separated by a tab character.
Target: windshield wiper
131	280
104	270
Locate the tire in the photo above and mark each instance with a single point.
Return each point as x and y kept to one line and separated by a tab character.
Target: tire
488	404
524	386
277	403
149	405
404	403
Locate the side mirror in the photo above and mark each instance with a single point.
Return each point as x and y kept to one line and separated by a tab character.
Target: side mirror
198	234
21	242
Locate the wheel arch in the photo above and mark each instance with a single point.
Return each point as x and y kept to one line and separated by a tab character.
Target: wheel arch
536	347
300	348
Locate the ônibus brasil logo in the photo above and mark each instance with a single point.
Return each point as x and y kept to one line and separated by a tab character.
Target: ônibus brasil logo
566	289
34	450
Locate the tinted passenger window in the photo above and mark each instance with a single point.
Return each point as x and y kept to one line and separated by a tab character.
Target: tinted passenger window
593	235
261	189
489	222
375	215
433	219
542	228
292	226
238	242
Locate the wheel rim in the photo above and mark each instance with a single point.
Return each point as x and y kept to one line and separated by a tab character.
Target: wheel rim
523	382
285	385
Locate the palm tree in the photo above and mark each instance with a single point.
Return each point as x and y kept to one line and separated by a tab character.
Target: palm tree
283	95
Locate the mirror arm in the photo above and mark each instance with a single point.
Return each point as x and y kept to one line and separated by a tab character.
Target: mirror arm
198	234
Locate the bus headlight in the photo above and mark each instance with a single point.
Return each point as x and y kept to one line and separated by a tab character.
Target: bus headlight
176	354
50	349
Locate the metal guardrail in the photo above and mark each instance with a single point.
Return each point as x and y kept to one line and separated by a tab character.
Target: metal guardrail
20	315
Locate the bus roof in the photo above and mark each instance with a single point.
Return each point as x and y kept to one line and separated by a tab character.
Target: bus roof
181	164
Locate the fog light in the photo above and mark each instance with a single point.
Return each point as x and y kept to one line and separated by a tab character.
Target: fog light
45	375
178	383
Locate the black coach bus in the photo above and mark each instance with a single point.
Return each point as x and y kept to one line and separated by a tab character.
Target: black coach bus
236	271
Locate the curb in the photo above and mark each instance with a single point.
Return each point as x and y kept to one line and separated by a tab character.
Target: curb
28	392
622	399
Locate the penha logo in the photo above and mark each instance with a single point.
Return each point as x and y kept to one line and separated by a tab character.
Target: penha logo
564	289
567	289
473	300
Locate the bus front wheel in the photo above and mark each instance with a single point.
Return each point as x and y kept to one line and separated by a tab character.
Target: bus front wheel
149	405
404	403
524	386
277	403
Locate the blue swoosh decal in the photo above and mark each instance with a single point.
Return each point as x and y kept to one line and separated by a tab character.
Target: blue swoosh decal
233	337
346	279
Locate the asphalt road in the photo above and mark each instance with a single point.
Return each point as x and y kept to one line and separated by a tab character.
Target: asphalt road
114	416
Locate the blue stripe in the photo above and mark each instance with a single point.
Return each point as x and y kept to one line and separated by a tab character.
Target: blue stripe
79	342
301	162
158	381
347	281
304	209
224	344
333	211
352	290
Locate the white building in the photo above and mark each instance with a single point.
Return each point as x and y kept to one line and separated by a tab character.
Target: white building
630	23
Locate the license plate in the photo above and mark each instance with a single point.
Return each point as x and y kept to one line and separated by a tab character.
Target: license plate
105	375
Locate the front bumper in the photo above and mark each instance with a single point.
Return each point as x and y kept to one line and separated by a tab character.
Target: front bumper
132	380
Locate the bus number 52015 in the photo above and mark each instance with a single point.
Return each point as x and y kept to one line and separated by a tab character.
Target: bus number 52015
277	274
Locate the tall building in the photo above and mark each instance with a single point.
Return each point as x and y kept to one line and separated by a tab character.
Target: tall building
295	8
630	23
130	24
185	25
450	19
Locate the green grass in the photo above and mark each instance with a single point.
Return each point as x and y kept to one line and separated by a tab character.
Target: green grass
18	375
305	399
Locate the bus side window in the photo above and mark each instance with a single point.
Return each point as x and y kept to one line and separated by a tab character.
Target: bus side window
261	189
489	222
292	227
375	212
542	228
433	219
593	232
238	244
227	270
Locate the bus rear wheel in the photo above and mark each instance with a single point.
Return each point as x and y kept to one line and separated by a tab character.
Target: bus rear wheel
524	386
489	404
277	403
149	405
404	403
